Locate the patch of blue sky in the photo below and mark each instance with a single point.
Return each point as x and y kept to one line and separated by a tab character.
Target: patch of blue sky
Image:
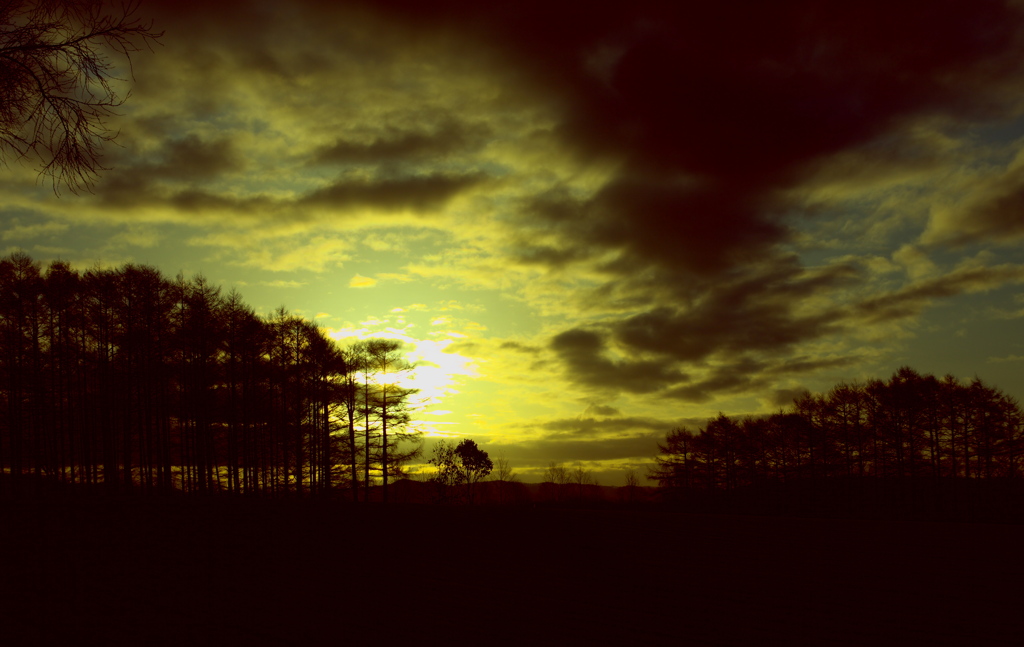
996	132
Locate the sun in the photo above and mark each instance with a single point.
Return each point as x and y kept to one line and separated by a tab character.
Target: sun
436	372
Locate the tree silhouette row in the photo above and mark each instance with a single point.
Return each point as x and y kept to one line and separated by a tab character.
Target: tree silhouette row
911	427
124	378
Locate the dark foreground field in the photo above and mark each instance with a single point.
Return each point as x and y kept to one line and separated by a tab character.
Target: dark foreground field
213	572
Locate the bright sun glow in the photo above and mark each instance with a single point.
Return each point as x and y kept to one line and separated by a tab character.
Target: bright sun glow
436	372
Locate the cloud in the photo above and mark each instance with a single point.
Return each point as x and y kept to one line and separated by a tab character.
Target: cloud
416	194
196	192
987	208
760	312
665	186
563	450
749	336
710	122
1007	358
137	237
584	354
403	146
718	115
27	232
913	299
283	284
679	225
588	427
603	410
747	375
782	398
315	254
360	281
915	261
187	161
520	347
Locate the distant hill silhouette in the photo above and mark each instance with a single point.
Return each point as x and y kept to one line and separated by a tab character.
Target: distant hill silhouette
517	493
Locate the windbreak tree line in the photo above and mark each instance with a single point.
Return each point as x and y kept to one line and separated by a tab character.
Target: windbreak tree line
910	428
125	378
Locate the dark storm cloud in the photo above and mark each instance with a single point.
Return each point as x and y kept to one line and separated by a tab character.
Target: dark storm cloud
785	397
744	100
748	375
582	352
714	109
191	159
418	193
753	92
563	450
399	146
997	214
584	428
688	228
719	111
749	331
741	90
188	160
526	251
715	117
603	410
734	378
756	313
171	182
198	201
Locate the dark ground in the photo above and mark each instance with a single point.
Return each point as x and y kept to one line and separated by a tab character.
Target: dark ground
144	572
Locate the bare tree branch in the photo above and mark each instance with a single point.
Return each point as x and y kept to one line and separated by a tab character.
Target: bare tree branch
59	63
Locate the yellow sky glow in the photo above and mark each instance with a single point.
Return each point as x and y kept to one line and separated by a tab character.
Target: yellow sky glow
436	373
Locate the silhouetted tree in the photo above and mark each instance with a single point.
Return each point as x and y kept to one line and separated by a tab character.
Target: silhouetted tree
63	321
504	477
21	290
245	345
555	478
904	431
141	378
463	464
447	474
122	377
391	405
354	363
581	477
676	463
473	463
632	485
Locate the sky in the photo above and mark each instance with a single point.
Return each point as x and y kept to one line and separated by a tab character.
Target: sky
589	227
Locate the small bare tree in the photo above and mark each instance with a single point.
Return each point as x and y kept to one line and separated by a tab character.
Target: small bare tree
581	477
632	485
58	65
503	471
556	473
558	477
504	477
